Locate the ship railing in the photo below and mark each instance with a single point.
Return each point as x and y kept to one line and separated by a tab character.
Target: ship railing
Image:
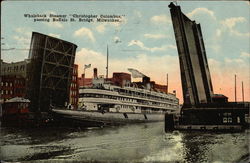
147	97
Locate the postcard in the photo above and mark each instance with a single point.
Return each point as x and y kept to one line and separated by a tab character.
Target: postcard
107	65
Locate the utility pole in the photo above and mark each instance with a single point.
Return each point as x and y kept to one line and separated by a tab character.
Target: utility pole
242	91
235	93
107	68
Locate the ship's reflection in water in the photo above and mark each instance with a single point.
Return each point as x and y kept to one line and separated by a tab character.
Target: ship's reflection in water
130	143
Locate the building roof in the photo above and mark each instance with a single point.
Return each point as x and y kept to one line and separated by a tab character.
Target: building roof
18	99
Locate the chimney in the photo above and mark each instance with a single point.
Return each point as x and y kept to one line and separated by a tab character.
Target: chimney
146	82
95	73
83	79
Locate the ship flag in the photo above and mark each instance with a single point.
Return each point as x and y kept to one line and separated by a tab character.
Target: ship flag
135	73
87	66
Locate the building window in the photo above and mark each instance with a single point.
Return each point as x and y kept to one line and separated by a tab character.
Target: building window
22	68
16	68
238	119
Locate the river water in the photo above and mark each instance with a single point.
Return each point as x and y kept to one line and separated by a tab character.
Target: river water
130	143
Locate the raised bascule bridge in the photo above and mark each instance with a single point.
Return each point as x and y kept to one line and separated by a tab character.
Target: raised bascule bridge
202	109
50	71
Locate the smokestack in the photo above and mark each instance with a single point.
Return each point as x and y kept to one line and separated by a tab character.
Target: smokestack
95	73
146	82
83	79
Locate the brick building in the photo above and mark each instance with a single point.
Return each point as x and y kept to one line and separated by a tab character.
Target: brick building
13	79
85	81
161	88
74	88
12	86
121	79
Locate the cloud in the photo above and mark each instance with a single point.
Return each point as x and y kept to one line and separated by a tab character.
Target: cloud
117	39
22	39
226	27
54	35
101	28
23	31
97	59
136	42
230	23
155	36
23	36
160	19
237	33
214	46
154	49
84	32
245	55
198	11
237	60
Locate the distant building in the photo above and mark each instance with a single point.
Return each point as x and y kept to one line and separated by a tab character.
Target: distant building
15	68
121	79
161	88
13	79
219	98
12	86
87	82
74	88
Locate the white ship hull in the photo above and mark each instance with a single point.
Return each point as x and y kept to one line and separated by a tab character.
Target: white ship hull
108	118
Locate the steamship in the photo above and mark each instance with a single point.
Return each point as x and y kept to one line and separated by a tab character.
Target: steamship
120	101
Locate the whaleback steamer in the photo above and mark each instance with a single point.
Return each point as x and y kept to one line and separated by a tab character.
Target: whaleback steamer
107	102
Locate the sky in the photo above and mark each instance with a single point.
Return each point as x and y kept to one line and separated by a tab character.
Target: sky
143	38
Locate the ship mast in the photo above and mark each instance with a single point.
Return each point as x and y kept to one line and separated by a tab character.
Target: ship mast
242	91
107	67
235	93
167	83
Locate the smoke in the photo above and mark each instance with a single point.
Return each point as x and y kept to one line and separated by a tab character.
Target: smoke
136	73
